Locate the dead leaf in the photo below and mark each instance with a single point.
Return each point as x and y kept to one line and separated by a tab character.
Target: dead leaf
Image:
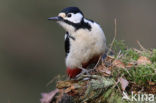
109	58
71	91
151	83
68	90
72	88
63	84
47	97
107	71
99	68
104	70
130	64
118	64
142	60
124	83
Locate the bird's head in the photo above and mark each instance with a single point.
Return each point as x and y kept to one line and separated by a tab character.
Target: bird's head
69	18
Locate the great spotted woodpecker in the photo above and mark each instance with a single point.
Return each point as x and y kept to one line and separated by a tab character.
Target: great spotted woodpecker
85	41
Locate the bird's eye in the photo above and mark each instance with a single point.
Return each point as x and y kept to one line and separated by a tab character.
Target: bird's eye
68	15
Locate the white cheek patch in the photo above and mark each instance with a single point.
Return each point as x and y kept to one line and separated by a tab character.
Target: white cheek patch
66	26
75	18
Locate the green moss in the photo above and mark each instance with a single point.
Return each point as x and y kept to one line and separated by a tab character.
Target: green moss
153	57
119	46
142	74
139	75
129	56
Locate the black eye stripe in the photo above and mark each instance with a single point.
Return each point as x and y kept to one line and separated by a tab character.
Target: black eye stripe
80	25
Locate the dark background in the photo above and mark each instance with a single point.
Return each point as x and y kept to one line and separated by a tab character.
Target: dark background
32	49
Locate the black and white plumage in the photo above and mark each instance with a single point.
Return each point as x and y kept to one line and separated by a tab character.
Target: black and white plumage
84	39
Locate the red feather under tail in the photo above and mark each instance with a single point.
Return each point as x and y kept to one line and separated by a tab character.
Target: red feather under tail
73	72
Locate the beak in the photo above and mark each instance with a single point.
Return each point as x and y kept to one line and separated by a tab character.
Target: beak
57	18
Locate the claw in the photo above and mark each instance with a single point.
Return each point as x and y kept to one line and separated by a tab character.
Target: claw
81	75
84	71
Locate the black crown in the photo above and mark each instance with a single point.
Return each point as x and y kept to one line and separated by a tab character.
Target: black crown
72	10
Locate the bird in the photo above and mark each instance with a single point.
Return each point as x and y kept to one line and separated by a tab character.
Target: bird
85	40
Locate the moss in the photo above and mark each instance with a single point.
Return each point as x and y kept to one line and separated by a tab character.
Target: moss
129	55
141	74
119	46
153	57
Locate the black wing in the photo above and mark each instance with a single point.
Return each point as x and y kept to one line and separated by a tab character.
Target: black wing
67	43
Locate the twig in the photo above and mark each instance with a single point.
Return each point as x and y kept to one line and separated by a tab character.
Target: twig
118	56
138	51
54	79
115	33
116	83
138	42
97	63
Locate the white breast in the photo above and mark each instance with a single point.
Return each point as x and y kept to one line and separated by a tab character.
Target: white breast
87	45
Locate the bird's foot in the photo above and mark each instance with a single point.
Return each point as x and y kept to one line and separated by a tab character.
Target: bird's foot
83	72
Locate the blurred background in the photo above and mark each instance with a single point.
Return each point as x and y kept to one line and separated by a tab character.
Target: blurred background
32	48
